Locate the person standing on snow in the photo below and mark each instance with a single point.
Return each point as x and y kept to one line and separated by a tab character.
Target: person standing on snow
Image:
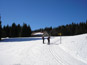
48	39
43	39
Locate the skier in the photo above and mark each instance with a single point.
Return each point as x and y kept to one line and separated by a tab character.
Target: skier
48	39
43	39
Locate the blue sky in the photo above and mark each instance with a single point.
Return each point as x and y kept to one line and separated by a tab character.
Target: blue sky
43	13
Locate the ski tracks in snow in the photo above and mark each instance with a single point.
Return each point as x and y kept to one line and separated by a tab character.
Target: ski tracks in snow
63	57
57	57
43	54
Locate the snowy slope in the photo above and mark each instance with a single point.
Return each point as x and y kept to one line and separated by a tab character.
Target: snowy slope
76	46
72	51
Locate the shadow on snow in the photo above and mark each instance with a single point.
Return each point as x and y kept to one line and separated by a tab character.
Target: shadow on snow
19	39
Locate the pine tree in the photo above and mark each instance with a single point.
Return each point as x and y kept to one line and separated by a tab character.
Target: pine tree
6	31
13	30
0	30
26	31
18	30
29	31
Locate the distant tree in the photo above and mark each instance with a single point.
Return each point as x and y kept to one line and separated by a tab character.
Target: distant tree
38	30
13	30
19	30
29	31
0	31
6	31
26	31
86	26
48	29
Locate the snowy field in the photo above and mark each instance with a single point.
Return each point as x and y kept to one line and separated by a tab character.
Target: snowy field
31	51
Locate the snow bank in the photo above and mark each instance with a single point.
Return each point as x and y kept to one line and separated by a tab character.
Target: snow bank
76	46
38	33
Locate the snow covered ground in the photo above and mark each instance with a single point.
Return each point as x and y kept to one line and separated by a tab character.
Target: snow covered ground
71	51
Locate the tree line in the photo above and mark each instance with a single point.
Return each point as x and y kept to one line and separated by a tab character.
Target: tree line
25	30
15	30
66	30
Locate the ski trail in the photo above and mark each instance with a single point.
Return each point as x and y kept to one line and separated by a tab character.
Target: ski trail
51	56
64	57
58	58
